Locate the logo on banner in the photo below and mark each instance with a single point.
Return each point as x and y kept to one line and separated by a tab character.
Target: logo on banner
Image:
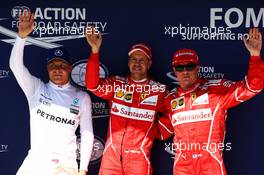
79	71
3	148
4	73
232	18
250	17
98	149
18	10
52	25
206	72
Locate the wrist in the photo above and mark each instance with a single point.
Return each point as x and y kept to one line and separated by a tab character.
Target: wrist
95	50
255	54
21	36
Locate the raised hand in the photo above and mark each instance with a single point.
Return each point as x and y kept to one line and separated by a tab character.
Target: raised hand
26	24
254	42
94	39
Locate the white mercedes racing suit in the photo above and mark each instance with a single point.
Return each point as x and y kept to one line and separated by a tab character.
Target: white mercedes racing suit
55	113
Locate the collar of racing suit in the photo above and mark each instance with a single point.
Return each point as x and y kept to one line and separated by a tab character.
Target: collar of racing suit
59	87
181	91
131	81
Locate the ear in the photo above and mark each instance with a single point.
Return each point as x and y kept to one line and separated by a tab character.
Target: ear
149	64
198	69
128	61
70	68
174	70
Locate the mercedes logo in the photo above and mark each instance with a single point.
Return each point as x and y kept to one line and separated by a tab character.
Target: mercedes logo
58	52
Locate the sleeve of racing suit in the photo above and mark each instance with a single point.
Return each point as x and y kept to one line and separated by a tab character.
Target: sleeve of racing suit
237	92
92	71
26	81
86	130
165	128
101	87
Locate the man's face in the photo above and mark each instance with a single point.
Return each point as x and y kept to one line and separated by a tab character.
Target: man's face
59	71
139	64
186	74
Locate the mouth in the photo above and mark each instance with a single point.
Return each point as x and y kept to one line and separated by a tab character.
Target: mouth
186	78
57	76
137	68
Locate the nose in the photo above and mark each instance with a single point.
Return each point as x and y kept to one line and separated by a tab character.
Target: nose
185	71
57	69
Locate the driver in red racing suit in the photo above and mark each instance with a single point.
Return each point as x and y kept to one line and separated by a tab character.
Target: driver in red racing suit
198	109
134	102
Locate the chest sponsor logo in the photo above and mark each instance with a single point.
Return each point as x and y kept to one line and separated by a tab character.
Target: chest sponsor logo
178	103
53	118
143	95
152	100
74	111
119	94
44	102
124	96
76	103
46	96
132	113
200	100
128	97
198	115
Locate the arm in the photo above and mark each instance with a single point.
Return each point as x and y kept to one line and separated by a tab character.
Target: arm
255	76
87	136
165	128
27	82
94	39
100	87
237	92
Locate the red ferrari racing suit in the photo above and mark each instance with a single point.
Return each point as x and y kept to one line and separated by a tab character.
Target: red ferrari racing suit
133	124
198	117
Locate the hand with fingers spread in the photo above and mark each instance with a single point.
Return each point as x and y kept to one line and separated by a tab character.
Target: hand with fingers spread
26	24
94	39
254	42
